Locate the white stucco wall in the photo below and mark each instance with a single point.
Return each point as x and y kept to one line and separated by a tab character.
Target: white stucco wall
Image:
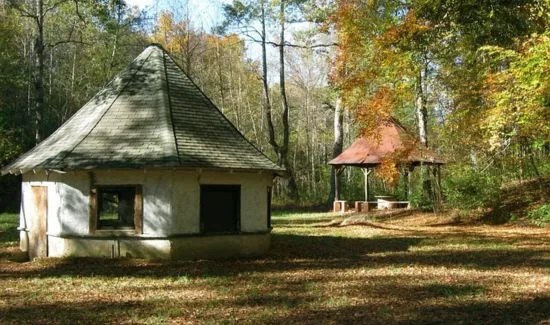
185	203
68	197
171	199
157	186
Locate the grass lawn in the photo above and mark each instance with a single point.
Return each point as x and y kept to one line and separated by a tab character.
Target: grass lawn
402	269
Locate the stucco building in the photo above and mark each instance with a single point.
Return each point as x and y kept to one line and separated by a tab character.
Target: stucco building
149	167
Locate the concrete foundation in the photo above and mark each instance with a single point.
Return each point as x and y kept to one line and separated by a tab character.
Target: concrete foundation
184	247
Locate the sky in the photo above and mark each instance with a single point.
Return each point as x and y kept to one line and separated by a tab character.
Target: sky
204	13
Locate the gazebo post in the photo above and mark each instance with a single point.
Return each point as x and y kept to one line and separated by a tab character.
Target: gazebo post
438	191
439	180
409	171
337	172
366	172
338	205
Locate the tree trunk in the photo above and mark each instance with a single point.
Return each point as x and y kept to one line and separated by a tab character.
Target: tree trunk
336	149
70	103
220	76
267	101
39	71
283	149
421	110
422	117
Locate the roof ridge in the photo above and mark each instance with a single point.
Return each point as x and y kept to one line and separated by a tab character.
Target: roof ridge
169	101
212	105
110	106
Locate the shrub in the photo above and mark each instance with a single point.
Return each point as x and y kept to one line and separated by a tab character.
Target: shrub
540	216
420	199
464	188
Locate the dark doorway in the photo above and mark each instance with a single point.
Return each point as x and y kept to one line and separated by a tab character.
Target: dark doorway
220	208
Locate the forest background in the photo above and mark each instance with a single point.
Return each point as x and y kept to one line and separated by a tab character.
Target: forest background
303	78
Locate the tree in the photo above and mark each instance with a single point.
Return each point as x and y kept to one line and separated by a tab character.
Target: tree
337	147
37	12
243	15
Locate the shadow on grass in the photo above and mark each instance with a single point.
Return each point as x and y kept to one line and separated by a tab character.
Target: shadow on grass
524	311
300	221
9	236
390	299
315	252
297	308
298	253
333	247
92	312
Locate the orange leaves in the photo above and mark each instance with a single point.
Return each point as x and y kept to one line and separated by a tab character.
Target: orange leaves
374	76
407	35
382	101
375	109
388	171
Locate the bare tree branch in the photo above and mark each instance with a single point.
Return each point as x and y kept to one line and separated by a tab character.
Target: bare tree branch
70	41
54	6
288	44
24	12
77	11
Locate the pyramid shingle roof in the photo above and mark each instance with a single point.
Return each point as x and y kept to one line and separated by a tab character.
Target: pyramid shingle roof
149	115
389	139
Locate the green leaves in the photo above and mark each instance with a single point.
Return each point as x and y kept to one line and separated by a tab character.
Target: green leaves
517	92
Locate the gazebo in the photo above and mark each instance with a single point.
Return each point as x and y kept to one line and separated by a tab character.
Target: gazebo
389	141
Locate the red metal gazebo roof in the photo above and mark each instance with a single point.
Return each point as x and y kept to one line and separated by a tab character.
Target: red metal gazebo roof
391	138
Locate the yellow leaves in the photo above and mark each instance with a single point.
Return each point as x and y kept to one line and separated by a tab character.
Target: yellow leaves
517	93
349	20
172	34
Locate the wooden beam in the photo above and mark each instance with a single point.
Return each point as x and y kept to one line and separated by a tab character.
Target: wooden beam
409	171
138	210
93	210
337	172
336	186
366	173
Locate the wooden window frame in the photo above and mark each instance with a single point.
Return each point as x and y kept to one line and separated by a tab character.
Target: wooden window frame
138	209
269	193
201	202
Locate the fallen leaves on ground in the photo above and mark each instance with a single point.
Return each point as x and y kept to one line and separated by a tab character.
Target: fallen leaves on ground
398	269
